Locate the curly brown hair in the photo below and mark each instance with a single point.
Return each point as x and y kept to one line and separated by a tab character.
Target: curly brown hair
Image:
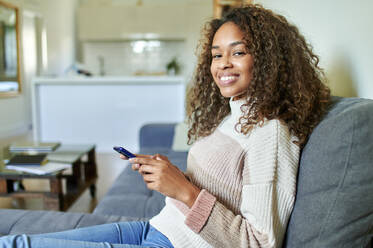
286	84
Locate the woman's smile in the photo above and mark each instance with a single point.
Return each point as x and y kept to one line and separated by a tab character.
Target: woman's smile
228	79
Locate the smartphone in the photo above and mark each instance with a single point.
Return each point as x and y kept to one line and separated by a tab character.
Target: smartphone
124	152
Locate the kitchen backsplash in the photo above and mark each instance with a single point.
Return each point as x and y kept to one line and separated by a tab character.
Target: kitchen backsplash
134	57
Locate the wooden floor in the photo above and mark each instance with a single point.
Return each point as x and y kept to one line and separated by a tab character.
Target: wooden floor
109	166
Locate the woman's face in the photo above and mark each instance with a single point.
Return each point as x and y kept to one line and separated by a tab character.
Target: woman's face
231	65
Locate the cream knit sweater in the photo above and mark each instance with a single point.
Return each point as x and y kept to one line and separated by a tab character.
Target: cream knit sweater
248	187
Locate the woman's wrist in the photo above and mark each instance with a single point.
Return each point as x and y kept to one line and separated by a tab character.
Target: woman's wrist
191	195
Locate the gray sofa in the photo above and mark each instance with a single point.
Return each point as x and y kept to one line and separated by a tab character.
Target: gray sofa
334	203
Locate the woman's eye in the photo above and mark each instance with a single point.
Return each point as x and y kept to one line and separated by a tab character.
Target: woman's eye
215	56
239	53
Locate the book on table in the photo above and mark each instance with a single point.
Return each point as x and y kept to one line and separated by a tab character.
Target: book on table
34	147
35	164
28	160
47	168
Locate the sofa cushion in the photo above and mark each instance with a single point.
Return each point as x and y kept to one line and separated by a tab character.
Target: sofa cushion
334	202
157	135
131	205
180	141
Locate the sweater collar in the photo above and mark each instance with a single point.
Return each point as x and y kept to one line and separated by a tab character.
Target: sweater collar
235	106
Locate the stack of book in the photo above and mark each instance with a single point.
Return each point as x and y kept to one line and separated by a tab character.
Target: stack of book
33	158
28	160
33	147
35	164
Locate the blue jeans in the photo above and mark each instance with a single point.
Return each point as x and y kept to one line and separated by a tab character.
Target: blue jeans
115	235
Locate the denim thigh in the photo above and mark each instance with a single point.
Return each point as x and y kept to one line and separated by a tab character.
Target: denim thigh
123	234
114	233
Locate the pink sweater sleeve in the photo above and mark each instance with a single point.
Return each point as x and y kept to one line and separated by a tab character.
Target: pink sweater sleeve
200	211
197	215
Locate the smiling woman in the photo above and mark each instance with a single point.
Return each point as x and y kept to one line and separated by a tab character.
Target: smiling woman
256	96
10	84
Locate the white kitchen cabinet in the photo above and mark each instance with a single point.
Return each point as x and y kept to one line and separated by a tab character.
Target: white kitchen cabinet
106	111
131	22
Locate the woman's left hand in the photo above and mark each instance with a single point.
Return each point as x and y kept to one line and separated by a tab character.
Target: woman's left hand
160	175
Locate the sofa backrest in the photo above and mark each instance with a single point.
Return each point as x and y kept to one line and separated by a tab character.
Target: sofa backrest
334	202
157	135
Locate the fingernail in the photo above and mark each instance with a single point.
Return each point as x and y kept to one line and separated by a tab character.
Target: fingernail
137	166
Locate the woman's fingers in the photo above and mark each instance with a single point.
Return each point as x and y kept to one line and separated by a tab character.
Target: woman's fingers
143	156
148	178
144	168
147	169
145	160
123	157
135	167
137	155
161	157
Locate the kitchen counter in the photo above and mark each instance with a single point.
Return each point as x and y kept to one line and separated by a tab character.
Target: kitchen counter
106	111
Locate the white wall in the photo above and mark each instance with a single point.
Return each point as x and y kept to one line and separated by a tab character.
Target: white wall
59	17
200	13
15	116
341	34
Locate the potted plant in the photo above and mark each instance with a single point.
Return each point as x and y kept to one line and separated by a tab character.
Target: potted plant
173	67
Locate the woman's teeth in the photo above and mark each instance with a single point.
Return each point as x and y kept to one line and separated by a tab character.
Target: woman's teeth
227	78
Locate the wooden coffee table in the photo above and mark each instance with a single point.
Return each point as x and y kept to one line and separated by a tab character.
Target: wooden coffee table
82	176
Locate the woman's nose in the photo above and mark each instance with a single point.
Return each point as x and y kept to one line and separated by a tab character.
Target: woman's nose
225	62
